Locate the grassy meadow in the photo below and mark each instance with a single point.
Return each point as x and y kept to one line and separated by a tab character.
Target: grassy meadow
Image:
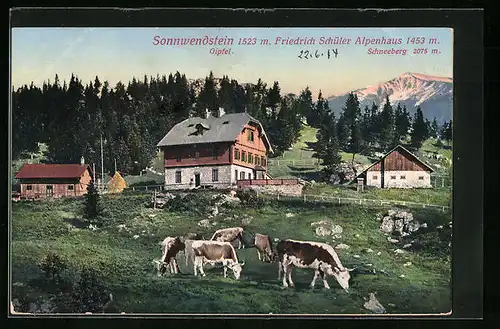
121	258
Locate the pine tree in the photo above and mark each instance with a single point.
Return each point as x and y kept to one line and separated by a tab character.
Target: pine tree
93	207
326	147
387	131
447	131
306	105
434	129
419	129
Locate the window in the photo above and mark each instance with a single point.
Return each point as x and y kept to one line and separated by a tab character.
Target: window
257	160
250	158
249	176
250	135
402	177
29	187
263	161
215	153
242	175
70	187
236	154
421	177
196	154
215	175
178	157
48	190
375	177
243	156
178	177
236	174
393	177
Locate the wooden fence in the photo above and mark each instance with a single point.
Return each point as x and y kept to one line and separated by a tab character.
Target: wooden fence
284	181
304	162
341	200
321	199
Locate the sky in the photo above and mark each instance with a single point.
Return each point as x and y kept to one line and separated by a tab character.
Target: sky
119	54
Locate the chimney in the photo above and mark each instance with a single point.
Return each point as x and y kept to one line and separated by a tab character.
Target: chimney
82	160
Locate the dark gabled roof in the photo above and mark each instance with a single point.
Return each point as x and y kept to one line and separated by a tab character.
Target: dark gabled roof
52	171
385	155
222	129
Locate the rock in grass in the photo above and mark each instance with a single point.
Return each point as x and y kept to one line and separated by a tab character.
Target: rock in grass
407	264
372	304
342	246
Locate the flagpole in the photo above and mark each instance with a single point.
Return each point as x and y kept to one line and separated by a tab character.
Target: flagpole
102	166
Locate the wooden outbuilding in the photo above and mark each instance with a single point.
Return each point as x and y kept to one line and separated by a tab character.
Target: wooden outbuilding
398	168
39	181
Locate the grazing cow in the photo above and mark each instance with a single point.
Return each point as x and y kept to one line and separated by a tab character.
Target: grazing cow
169	248
229	235
315	255
214	252
264	246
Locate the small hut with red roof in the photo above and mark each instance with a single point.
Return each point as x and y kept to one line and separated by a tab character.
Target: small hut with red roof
40	181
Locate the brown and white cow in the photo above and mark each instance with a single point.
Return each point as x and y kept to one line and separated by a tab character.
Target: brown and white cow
264	247
170	247
315	255
216	252
229	235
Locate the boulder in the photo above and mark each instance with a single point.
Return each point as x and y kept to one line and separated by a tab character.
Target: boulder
337	229
323	231
342	246
398	226
413	227
368	250
204	223
398	222
344	173
392	240
387	225
289	215
373	304
246	221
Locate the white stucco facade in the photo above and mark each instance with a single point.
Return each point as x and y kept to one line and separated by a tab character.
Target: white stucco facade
399	179
226	176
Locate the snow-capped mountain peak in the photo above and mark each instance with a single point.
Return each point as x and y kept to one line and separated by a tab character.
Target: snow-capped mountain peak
432	93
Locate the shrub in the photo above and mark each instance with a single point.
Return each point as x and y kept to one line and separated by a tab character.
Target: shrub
53	266
89	294
249	198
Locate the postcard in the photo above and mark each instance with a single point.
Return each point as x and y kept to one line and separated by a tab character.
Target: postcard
237	171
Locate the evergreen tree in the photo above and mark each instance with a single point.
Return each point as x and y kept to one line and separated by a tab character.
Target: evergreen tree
447	131
326	147
401	122
419	129
434	129
93	207
207	99
387	131
306	106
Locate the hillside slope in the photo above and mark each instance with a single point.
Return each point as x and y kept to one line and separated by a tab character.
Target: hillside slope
120	254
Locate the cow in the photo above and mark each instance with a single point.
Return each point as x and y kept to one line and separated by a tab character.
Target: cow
188	240
170	247
315	255
229	235
264	246
214	252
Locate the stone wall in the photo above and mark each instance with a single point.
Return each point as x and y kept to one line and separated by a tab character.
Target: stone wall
188	178
295	189
410	180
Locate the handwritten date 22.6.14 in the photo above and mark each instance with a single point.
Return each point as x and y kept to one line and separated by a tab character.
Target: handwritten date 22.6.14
329	53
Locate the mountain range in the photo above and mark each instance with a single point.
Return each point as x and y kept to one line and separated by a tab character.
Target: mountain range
433	94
